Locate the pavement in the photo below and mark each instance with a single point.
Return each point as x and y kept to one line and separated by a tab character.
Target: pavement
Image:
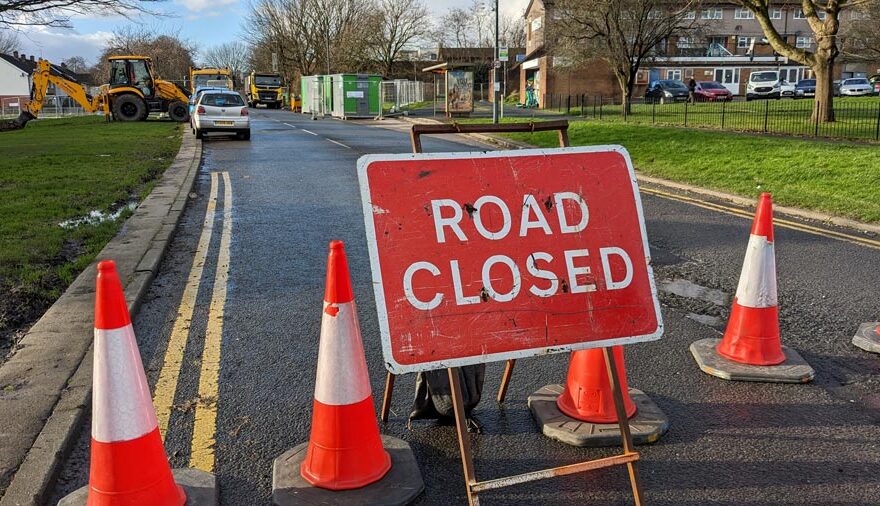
241	307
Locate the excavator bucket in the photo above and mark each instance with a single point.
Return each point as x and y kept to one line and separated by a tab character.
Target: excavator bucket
18	123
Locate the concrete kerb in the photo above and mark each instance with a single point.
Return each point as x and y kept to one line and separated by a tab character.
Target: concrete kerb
735	199
56	392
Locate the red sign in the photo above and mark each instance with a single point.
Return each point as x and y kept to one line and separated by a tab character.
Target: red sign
478	257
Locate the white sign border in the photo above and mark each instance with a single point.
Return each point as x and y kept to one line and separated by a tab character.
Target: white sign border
394	367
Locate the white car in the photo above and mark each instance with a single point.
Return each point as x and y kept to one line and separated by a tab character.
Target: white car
856	87
221	111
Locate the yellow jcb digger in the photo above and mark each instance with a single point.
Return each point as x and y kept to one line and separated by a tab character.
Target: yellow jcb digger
132	94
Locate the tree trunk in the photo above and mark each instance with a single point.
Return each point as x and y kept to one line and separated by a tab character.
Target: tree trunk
823	106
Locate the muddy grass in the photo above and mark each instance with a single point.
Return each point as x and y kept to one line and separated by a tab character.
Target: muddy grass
66	186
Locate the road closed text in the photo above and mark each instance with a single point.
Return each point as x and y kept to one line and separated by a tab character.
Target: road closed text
504	277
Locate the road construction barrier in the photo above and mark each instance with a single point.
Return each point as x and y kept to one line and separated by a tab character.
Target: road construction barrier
583	413
128	462
345	453
751	349
868	337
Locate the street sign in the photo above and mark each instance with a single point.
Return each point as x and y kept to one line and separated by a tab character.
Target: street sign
503	53
521	57
274	62
479	257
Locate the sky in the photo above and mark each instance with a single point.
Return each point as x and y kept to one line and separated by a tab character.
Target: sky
204	22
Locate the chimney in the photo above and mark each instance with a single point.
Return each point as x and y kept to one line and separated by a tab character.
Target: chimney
23	56
15	54
32	57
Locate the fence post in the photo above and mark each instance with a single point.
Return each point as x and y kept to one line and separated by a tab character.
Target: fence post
816	106
568	105
686	114
582	104
722	113
601	103
766	113
653	111
877	128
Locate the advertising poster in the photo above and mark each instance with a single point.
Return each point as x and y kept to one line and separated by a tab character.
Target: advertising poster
459	91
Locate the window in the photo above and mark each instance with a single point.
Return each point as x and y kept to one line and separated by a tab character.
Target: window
537	23
714	13
673	74
775	13
804	42
743	42
743	13
685	42
222	99
799	14
690	15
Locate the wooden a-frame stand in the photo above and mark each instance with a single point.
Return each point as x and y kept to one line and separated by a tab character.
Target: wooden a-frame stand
629	457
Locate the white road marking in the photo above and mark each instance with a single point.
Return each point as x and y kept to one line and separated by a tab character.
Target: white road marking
291	126
308	131
339	143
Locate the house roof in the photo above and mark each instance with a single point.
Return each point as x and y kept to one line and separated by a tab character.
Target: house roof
27	66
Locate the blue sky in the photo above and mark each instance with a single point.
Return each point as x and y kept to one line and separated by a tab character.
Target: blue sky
204	22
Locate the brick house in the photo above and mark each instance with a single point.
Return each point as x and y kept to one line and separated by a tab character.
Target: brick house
16	71
727	47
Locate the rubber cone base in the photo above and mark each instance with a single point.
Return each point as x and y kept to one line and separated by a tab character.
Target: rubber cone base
648	424
200	488
401	485
793	370
867	337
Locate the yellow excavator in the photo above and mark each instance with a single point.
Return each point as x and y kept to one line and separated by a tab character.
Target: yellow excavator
134	91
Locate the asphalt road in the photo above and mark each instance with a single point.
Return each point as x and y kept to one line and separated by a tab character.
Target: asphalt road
294	188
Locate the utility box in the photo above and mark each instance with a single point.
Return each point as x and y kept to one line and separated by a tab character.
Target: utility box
312	91
355	95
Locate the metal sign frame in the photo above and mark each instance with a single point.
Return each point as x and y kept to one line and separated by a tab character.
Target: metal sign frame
629	457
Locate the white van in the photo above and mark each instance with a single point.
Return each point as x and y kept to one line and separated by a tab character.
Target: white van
764	84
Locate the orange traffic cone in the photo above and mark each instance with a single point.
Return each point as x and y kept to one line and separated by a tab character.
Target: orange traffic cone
587	394
128	462
345	450
751	349
752	335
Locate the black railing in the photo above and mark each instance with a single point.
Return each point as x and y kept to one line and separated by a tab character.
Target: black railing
855	118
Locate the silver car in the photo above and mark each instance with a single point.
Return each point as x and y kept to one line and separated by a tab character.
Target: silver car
221	111
856	87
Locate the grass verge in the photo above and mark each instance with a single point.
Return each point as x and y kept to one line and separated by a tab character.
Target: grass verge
81	171
837	177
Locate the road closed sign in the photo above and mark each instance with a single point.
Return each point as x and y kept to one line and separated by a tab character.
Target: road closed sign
479	257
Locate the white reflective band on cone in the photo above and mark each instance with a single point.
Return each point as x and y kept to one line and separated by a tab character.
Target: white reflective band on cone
342	377
122	408
757	283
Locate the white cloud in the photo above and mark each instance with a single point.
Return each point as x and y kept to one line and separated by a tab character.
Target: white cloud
57	44
200	5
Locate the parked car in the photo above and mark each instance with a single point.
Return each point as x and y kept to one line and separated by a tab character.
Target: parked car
666	90
194	98
786	89
805	88
222	111
875	80
712	91
836	88
856	87
764	84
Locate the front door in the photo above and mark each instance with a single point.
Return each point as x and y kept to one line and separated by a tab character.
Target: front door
728	77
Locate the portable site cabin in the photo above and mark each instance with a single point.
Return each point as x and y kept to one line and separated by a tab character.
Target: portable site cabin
355	95
312	93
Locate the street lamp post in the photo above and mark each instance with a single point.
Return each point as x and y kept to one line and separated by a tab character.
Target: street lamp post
496	82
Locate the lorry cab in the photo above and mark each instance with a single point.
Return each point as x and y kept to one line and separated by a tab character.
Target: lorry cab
264	88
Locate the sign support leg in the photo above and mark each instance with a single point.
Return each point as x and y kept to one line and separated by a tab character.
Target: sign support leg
505	380
623	422
464	441
386	397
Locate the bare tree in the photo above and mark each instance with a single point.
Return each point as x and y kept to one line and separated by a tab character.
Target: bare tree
513	31
623	33
9	41
456	29
57	13
401	23
172	55
234	56
76	64
861	37
825	32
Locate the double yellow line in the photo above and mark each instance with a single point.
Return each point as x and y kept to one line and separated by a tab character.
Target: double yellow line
205	425
781	222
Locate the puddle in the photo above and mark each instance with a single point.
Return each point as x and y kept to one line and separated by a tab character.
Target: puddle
95	217
685	288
